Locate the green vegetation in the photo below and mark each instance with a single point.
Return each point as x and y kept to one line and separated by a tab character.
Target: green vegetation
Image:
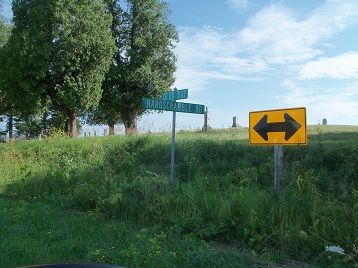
5	29
64	62
144	62
106	200
56	57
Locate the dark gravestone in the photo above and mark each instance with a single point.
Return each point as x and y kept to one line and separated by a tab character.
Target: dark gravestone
234	121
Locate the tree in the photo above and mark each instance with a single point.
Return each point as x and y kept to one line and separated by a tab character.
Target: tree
5	106
144	63
5	30
57	56
36	125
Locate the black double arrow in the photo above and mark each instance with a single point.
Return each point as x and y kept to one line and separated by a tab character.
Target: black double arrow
290	127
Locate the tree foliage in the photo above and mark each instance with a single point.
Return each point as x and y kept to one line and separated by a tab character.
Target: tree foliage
57	56
65	56
144	63
5	31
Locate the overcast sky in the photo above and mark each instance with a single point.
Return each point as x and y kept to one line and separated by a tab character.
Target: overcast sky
237	56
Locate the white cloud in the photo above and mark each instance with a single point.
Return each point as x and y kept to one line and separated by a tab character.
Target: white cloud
343	66
238	4
206	53
338	105
276	32
275	38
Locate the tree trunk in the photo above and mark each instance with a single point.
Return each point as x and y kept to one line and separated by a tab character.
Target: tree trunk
130	122
65	127
111	128
44	123
10	126
72	123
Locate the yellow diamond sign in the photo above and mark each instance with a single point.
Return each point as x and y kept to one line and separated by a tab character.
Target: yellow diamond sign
278	127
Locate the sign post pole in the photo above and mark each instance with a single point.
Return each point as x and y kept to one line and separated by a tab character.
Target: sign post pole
278	168
172	160
168	102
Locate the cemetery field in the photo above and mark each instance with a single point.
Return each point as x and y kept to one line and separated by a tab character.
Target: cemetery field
106	200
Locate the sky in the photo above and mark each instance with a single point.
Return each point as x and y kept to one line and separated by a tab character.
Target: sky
238	56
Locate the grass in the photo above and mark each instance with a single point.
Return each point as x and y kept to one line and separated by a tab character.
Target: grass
106	200
34	233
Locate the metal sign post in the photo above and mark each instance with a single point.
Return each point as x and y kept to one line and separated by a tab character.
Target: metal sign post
172	160
168	102
278	168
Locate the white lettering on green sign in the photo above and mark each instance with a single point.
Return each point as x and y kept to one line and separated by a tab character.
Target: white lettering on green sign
181	107
175	95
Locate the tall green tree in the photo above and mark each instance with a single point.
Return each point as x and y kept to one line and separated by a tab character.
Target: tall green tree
5	105
144	63
5	30
57	56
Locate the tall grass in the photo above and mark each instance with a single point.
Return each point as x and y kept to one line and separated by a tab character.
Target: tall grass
224	192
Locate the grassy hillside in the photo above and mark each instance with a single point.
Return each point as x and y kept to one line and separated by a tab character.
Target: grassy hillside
106	200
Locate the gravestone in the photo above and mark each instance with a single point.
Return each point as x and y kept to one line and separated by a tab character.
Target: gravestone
234	121
206	120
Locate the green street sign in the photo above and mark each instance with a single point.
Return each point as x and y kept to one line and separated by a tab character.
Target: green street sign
175	95
167	102
181	107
